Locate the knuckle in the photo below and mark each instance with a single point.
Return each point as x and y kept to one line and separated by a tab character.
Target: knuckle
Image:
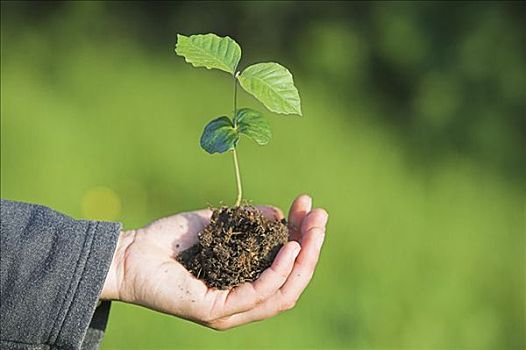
259	299
272	313
207	318
281	274
288	304
218	326
316	230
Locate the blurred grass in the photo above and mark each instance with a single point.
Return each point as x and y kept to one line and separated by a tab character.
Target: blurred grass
427	256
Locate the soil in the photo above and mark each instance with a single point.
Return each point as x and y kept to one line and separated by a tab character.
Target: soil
238	244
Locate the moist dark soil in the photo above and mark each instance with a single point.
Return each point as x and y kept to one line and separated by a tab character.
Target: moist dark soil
236	247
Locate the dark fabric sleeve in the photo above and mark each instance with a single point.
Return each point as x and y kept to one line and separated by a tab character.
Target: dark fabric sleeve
52	272
97	326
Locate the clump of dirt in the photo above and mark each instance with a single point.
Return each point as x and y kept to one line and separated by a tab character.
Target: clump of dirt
238	244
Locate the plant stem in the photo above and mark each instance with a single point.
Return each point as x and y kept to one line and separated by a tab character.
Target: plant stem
238	180
234	153
235	99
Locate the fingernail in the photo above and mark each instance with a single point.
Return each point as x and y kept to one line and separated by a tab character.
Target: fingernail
324	216
309	201
321	239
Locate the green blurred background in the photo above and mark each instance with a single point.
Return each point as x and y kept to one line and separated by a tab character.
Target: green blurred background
413	138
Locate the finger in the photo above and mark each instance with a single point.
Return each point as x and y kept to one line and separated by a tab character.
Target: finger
204	214
271	212
300	208
270	307
248	295
199	217
313	235
287	296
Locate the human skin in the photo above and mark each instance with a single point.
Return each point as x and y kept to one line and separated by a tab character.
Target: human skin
144	270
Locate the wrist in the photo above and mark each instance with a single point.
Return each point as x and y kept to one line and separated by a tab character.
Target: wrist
114	282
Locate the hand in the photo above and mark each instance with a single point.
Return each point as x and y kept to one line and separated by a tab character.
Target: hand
144	270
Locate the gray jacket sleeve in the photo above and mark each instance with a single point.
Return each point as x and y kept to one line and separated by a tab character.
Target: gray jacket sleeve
52	272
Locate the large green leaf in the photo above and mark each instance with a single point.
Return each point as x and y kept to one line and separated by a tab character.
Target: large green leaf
272	84
210	51
219	136
252	124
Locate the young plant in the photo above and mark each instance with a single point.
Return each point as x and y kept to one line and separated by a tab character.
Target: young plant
269	82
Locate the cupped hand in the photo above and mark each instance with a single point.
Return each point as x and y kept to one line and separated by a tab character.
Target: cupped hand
144	270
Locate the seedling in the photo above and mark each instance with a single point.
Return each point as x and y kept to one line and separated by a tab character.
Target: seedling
239	243
268	82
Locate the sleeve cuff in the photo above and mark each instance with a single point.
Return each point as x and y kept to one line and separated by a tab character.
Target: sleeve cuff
90	273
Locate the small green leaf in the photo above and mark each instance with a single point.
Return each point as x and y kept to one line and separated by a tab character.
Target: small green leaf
219	136
272	85
210	51
252	124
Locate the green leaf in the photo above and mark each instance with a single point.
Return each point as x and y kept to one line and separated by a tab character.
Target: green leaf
272	84
219	136
210	51
252	124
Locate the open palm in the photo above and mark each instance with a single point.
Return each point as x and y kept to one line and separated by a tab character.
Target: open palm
145	271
